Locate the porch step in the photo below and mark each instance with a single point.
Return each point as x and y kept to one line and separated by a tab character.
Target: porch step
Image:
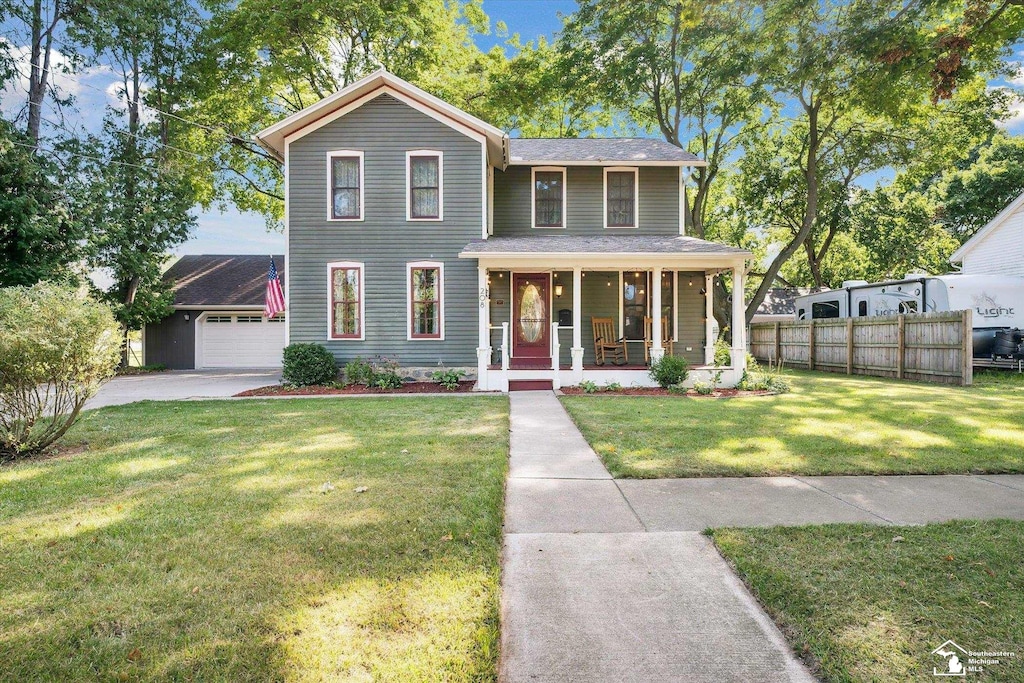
529	363
529	384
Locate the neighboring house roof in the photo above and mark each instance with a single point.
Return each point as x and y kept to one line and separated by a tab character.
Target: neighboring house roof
221	280
782	300
598	244
636	151
990	227
366	89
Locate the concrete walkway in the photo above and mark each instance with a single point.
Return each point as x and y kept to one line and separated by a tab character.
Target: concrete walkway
590	594
611	580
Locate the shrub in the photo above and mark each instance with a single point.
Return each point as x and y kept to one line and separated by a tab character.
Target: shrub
449	379
385	373
588	387
723	353
703	388
612	386
359	371
308	364
669	371
56	349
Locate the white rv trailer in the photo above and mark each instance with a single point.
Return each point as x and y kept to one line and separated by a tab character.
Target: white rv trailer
997	302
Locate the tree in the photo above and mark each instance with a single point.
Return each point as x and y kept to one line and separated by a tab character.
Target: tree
39	240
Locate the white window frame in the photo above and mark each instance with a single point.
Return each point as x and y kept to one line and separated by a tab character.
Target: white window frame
636	197
408	184
533	197
331	267
408	299
330	185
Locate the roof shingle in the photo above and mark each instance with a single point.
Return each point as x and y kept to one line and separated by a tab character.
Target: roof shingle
596	150
221	280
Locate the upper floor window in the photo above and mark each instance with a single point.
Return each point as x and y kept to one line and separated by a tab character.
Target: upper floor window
425	175
620	197
345	282
346	185
426	292
548	197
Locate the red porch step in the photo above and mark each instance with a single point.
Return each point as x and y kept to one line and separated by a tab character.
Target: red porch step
529	363
530	385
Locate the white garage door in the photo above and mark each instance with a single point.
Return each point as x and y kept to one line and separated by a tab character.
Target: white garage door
236	340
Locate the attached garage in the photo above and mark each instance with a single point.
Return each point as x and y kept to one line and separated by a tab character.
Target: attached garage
218	319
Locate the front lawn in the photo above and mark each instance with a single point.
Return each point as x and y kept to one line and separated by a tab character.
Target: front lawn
870	603
829	424
202	541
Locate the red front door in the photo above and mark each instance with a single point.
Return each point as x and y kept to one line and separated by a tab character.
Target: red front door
531	315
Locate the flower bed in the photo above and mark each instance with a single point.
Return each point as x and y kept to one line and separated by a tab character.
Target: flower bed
658	391
321	390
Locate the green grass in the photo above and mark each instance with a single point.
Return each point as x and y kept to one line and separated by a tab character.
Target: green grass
194	541
829	424
870	603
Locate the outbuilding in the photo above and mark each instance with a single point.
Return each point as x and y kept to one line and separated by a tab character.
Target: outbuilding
218	319
998	248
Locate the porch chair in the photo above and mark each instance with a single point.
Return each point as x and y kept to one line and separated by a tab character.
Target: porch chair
666	337
606	343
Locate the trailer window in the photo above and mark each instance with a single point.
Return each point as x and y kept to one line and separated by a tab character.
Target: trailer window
801	314
825	309
862	308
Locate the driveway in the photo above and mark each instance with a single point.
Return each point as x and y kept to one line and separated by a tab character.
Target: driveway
178	385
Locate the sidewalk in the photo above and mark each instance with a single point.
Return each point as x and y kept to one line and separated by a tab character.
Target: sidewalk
611	580
589	594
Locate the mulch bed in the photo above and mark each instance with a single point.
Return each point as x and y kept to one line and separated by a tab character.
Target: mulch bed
658	391
318	390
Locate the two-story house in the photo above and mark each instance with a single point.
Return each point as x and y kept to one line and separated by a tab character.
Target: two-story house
421	233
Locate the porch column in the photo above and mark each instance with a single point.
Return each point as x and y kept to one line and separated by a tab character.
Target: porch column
576	352
709	318
657	351
739	319
483	351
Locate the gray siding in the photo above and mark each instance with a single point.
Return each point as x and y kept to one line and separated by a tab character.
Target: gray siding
384	129
659	202
172	341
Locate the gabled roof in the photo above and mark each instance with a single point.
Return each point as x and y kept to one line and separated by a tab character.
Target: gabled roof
630	151
362	91
221	280
632	245
990	227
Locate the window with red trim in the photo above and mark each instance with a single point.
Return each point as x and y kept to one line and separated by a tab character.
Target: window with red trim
425	302
346	300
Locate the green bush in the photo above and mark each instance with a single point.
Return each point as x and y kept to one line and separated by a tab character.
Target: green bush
703	388
385	373
449	379
723	353
359	371
588	387
308	364
668	371
612	386
56	349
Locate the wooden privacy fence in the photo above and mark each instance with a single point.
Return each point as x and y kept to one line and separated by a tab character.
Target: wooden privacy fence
928	347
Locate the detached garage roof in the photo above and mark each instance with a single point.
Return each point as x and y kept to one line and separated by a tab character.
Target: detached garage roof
207	281
629	151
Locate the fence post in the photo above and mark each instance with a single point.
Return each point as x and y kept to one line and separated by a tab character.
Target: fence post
810	346
778	343
901	344
967	365
849	346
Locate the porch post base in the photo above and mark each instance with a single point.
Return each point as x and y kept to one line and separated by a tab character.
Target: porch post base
483	359
657	353
739	360
576	353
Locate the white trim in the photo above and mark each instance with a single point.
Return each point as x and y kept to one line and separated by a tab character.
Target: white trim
330	299
533	197
408	299
487	188
682	202
966	247
218	308
490	201
369	88
342	153
287	249
440	184
636	197
675	305
602	162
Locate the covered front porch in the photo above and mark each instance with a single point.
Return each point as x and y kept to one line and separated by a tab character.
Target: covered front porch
546	315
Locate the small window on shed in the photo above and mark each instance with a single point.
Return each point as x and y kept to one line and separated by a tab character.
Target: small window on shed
825	309
862	308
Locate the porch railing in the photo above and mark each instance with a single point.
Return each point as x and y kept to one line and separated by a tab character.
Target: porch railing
504	343
555	346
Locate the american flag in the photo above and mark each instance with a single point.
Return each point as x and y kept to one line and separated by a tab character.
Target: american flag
275	295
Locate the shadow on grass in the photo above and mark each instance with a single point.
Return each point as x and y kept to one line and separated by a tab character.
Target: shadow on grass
198	541
829	424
